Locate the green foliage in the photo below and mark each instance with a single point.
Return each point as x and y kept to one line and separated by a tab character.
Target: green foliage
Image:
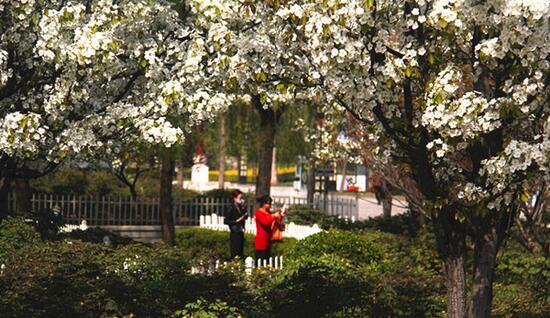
14	235
342	274
60	279
355	248
306	215
96	235
210	245
202	308
67	181
315	285
404	224
80	182
521	287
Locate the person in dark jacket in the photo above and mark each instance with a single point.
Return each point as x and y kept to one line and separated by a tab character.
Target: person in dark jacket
235	218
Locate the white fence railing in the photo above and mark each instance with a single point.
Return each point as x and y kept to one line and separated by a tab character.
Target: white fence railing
215	222
274	262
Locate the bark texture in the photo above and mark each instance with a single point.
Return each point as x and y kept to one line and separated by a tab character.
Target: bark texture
269	119
165	201
223	142
451	245
22	196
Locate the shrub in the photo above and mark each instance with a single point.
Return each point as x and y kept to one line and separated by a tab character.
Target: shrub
306	215
342	274
210	245
405	224
352	247
312	286
205	309
159	274
96	235
14	235
521	285
60	279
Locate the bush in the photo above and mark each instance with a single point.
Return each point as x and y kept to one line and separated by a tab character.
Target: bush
210	245
521	287
96	235
342	274
404	224
159	274
60	279
352	247
312	286
204	309
14	235
306	215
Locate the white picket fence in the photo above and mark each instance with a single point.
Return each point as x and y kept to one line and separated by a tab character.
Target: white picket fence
274	262
215	222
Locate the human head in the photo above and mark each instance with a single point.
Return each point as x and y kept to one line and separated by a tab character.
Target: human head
265	202
237	194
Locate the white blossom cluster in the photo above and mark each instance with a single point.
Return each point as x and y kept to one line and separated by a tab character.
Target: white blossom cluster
79	78
250	52
453	116
21	134
478	72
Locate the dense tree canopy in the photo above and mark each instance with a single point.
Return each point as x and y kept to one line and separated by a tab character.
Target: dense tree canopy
455	89
84	78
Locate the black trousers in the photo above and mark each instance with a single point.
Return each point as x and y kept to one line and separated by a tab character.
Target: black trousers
263	254
236	241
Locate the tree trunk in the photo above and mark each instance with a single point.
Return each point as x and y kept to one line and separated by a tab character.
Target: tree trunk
265	152
451	245
456	286
179	175
4	192
311	183
344	171
22	196
274	180
223	137
7	171
485	250
165	201
387	206
387	199
487	242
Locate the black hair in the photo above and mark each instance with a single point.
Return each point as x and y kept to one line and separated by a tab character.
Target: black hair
264	199
236	193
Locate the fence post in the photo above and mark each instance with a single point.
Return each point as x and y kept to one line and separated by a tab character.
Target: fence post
249	264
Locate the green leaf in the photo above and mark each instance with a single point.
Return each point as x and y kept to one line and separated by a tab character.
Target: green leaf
143	63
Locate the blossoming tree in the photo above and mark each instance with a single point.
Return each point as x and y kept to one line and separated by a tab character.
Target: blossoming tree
455	89
250	59
79	79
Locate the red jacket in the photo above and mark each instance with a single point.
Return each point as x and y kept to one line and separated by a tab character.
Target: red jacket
264	220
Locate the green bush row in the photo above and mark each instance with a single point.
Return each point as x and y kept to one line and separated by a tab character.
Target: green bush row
331	274
404	224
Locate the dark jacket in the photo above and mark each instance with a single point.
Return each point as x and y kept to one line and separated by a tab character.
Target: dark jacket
235	212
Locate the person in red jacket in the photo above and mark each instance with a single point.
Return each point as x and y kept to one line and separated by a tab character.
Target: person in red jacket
264	219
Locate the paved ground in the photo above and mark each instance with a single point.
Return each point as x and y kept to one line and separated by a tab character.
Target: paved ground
367	203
